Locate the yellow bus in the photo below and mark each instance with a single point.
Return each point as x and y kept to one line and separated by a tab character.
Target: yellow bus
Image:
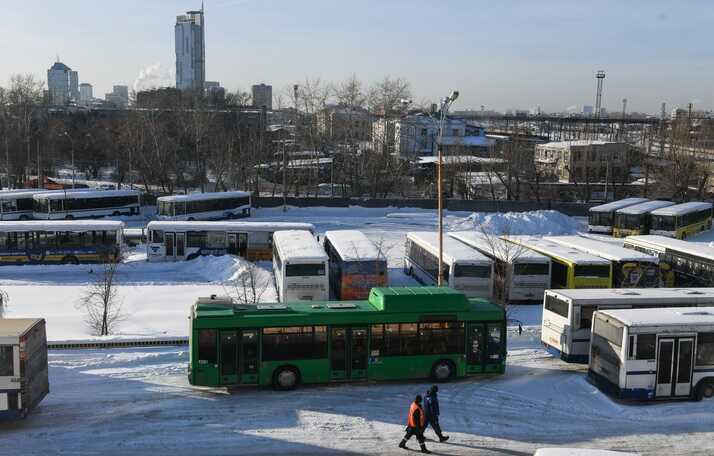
570	268
635	220
681	220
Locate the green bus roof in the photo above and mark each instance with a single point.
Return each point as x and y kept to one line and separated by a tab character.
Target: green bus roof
385	305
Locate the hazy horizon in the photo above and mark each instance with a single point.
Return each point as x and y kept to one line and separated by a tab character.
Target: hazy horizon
514	54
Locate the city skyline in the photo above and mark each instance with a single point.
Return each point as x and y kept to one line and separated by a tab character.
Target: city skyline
516	55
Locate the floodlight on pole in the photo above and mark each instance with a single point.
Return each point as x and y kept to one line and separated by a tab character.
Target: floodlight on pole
445	104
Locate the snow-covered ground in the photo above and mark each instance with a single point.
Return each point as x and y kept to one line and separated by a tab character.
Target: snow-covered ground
118	401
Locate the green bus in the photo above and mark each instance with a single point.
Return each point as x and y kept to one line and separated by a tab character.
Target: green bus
397	333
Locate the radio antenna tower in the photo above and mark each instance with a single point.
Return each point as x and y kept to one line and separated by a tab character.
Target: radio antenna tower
600	75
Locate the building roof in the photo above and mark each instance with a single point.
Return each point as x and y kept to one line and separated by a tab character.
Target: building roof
16	327
459	159
353	245
680	209
665	316
467	141
579	142
605	250
59	66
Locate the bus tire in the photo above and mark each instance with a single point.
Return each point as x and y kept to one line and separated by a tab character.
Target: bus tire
286	378
116	214
443	370
191	219
70	259
24	217
69	217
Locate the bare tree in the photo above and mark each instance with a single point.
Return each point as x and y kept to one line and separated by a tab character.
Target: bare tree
103	310
249	287
504	253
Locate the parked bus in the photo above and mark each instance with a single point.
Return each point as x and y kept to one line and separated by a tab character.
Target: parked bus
650	354
682	220
176	241
567	314
356	264
60	242
300	266
602	217
18	204
634	220
204	206
630	269
465	269
397	334
520	274
23	366
85	204
682	263
569	268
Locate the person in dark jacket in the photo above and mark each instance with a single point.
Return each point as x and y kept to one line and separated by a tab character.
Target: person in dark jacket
431	410
416	420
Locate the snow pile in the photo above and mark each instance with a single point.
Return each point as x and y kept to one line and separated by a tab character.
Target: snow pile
517	223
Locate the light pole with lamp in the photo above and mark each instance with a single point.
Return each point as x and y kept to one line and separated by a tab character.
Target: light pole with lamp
71	142
445	104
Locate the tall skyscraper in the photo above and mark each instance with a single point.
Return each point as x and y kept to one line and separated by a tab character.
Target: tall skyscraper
85	94
262	96
62	84
190	51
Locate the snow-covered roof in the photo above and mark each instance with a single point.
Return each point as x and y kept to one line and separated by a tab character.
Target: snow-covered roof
229	226
468	141
298	245
681	209
605	250
16	327
459	159
579	142
62	225
615	205
637	296
644	208
29	193
203	196
494	246
353	245
454	252
664	316
87	194
556	250
660	243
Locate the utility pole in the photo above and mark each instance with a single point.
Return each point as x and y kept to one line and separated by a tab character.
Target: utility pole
600	76
445	104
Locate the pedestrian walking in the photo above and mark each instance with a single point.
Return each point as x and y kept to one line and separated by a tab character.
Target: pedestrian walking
431	410
416	420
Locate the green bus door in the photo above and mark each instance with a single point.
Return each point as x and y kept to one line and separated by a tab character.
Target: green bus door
238	361
348	353
475	348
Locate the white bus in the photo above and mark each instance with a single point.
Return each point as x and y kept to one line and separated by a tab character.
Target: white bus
602	217
527	272
464	268
85	204
634	220
18	204
682	263
630	269
570	268
176	241
23	365
203	206
567	314
300	266
356	264
649	354
681	220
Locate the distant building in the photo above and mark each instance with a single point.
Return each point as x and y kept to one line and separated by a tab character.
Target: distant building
584	161
342	123
85	94
190	51
588	110
262	96
63	84
215	94
119	97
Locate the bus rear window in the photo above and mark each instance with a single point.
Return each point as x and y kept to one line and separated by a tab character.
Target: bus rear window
6	361
590	270
608	331
467	270
530	269
556	306
364	267
304	270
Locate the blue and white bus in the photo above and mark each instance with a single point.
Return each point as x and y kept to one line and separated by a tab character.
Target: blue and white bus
70	205
203	206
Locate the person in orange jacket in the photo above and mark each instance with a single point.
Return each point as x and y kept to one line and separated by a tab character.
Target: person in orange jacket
416	422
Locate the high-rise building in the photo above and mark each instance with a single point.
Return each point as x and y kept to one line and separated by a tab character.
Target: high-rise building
62	84
263	96
85	94
121	91
190	51
119	97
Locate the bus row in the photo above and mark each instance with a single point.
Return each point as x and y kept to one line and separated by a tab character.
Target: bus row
640	344
637	216
90	203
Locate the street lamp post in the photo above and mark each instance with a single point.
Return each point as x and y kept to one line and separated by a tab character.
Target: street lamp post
71	142
445	104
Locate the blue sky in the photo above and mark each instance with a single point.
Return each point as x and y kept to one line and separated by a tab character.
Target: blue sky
501	54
